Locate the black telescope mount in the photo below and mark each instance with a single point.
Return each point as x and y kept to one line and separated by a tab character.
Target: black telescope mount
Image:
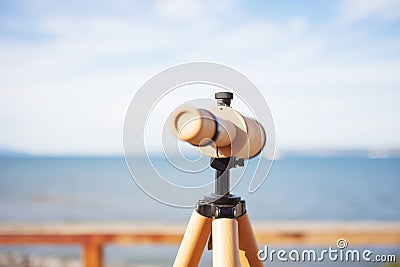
221	203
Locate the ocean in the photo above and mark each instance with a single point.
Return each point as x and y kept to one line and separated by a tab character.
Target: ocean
101	189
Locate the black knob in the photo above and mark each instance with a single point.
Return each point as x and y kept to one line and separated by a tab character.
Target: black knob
223	95
224	98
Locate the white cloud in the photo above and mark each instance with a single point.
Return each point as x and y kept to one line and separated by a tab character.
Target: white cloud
195	10
180	10
357	10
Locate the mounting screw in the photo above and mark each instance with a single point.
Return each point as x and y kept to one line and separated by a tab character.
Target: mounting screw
240	162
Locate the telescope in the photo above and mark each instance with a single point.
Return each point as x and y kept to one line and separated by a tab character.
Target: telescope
220	132
228	138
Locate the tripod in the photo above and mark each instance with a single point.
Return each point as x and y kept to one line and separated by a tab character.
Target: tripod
224	216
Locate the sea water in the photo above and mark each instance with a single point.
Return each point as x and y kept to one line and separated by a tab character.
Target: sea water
101	189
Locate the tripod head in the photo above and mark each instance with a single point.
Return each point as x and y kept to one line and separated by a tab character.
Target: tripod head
222	166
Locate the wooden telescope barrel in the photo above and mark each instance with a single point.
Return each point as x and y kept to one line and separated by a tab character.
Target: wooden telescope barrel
200	127
220	132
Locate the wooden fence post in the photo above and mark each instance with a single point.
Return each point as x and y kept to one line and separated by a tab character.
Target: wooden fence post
92	255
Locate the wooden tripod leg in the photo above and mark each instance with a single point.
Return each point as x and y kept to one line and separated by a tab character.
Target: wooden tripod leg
247	243
225	243
194	240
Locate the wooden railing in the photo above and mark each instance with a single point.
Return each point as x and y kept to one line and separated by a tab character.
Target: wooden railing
94	236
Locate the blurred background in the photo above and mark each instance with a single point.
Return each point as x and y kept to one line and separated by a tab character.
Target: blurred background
69	69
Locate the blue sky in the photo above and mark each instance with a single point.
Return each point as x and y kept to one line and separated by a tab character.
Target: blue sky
328	69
